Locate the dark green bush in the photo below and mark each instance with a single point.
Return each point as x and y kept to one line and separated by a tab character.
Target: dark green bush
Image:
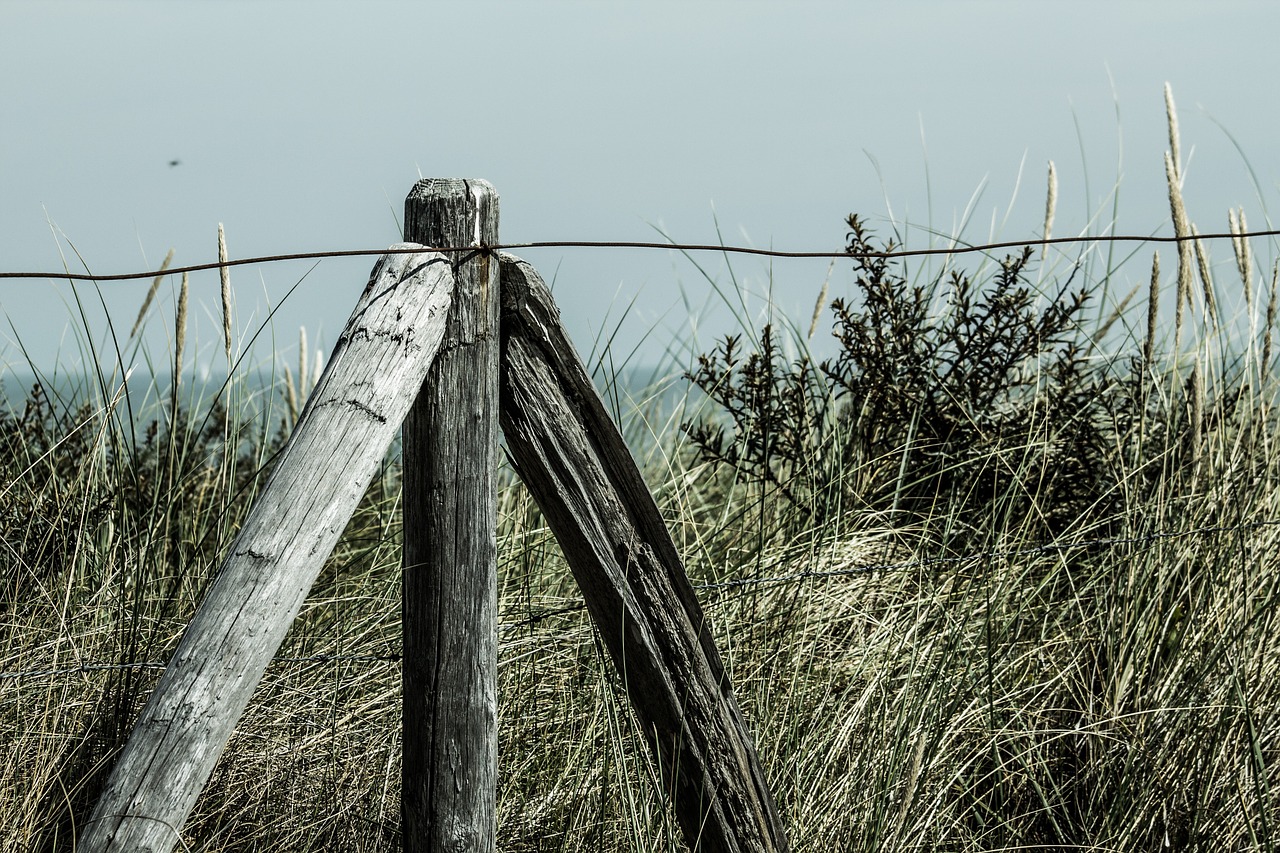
948	400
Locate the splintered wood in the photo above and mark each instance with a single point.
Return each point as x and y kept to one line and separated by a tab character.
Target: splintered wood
342	436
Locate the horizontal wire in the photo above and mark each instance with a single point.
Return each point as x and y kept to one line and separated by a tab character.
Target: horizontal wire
684	247
620	244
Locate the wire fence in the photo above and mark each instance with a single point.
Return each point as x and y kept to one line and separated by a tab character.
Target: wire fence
958	247
510	625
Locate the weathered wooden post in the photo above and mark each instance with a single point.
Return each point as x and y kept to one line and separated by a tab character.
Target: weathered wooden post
341	437
450	551
573	458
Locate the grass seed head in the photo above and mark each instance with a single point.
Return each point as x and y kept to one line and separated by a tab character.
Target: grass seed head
151	294
1206	278
304	372
1050	204
1171	114
1153	312
224	273
1181	229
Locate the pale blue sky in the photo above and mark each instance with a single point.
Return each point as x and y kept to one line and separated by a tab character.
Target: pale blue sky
301	126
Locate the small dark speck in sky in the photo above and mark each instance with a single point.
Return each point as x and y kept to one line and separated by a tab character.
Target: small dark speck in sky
173	163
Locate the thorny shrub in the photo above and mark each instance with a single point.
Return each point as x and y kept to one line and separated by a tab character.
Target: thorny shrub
948	401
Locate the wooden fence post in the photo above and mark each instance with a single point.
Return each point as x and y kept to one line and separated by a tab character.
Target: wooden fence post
324	469
573	458
450	551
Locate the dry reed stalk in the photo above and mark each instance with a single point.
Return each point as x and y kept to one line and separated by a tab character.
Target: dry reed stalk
913	779
1050	205
1153	310
180	341
1244	259
1181	229
1245	252
1117	313
822	300
290	395
1196	392
1271	318
1206	278
304	374
151	294
224	272
1171	114
1181	223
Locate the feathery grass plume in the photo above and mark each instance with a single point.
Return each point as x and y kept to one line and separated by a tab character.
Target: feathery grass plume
1153	310
1271	319
1244	261
1171	113
1206	278
304	374
155	285
1233	225
224	272
290	395
1246	254
1181	229
822	300
913	778
1050	205
180	342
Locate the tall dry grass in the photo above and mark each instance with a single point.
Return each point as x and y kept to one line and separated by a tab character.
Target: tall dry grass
990	669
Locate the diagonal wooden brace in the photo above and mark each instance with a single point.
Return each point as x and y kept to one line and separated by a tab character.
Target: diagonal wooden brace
574	460
342	435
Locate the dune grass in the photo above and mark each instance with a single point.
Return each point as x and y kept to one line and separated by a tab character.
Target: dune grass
1023	598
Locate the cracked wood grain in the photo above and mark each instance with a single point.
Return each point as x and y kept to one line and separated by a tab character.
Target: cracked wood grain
578	468
449	609
342	435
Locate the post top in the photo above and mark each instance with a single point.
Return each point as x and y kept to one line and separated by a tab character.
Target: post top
443	187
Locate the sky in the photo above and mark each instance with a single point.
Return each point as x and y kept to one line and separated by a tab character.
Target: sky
302	126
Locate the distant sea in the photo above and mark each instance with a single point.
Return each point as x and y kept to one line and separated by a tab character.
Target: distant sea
649	402
70	390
